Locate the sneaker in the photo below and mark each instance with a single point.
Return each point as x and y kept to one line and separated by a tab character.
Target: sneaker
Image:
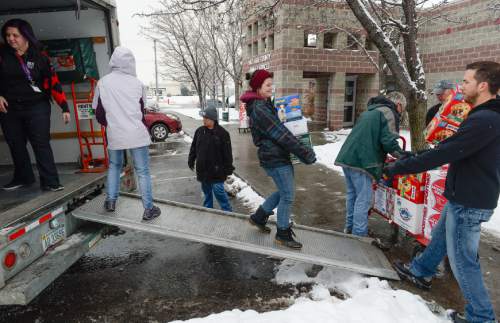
14	185
457	317
150	214
109	205
347	231
404	272
285	237
53	188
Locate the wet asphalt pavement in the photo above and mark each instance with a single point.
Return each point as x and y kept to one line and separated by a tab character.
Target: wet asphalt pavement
139	277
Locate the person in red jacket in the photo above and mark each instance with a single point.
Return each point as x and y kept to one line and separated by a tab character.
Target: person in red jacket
27	84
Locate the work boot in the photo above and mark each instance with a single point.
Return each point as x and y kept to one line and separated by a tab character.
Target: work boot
404	272
285	237
110	205
259	219
150	214
457	317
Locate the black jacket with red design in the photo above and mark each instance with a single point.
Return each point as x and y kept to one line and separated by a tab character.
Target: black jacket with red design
14	84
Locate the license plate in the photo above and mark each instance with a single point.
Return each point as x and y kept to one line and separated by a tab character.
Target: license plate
52	237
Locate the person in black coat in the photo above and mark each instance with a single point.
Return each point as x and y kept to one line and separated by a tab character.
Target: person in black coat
472	189
211	150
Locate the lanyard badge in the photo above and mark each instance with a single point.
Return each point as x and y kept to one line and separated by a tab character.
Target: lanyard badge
26	67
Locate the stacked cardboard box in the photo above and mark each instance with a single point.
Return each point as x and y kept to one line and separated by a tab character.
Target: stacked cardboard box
434	200
290	113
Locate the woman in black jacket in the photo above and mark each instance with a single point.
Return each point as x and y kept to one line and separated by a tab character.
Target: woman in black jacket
211	150
27	84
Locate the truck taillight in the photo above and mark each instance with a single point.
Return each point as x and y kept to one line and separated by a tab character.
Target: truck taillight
9	261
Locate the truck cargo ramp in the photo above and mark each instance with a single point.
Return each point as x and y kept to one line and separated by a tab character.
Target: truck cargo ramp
232	230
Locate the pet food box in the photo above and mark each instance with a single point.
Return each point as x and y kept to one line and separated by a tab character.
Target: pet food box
408	215
412	187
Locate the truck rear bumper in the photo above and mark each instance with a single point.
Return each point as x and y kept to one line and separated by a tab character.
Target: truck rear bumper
25	286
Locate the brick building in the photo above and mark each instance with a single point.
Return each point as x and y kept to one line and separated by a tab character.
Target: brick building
448	47
308	56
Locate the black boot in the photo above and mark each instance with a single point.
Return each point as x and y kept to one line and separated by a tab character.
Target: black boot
285	237
458	317
259	219
109	205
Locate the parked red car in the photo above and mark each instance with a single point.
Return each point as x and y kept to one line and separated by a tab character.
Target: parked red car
160	124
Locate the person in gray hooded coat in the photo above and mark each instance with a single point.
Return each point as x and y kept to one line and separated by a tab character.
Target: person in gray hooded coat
119	101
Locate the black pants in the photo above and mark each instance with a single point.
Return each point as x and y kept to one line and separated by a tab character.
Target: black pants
23	123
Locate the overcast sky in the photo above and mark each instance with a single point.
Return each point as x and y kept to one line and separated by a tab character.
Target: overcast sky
129	35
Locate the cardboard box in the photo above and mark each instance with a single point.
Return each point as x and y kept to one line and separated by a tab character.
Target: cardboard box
431	218
384	200
380	199
455	110
408	215
434	189
297	127
412	187
288	108
439	129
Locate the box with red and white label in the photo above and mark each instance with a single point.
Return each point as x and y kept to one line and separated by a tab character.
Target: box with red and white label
431	218
408	215
434	189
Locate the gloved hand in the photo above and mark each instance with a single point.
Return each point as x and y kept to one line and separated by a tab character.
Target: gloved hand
389	170
406	154
191	166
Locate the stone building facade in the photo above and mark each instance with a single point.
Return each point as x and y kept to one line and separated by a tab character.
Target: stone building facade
298	44
305	54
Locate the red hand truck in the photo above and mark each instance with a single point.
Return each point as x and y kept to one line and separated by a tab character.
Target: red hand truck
89	137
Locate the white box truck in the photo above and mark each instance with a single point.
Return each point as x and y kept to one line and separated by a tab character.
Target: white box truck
39	239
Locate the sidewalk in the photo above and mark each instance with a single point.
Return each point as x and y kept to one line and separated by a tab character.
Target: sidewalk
326	209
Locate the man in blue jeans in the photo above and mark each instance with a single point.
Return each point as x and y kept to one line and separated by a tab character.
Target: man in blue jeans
472	189
362	156
119	100
211	151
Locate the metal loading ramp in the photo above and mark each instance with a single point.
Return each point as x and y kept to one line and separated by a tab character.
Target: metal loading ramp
232	230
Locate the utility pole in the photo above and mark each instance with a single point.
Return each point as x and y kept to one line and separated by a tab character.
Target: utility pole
156	76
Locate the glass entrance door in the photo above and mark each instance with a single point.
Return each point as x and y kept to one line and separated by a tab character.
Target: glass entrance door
349	101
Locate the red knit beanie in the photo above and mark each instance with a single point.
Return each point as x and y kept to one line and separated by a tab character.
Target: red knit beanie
258	78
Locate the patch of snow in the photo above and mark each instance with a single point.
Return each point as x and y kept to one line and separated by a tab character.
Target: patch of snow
367	300
326	154
239	188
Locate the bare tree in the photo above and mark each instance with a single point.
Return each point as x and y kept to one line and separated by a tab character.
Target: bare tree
182	47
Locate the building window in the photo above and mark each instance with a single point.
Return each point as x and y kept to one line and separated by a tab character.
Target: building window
310	39
249	50
249	32
352	41
329	40
270	41
263	45
255	49
255	28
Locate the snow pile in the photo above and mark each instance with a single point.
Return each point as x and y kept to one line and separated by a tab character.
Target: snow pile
326	154
235	186
194	113
365	300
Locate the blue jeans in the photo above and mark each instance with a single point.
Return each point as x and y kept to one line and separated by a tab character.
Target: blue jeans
358	201
217	189
283	177
457	235
141	166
